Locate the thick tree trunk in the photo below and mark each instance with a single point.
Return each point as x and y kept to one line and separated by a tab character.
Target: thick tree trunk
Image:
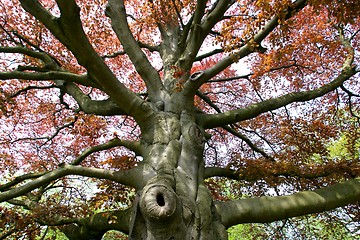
175	204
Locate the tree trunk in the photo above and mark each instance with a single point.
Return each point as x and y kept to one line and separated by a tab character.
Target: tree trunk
175	204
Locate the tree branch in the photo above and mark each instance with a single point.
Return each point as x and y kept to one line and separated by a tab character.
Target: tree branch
246	76
269	209
50	69
87	105
45	76
248	142
44	57
149	47
233	131
98	224
24	90
116	142
131	145
115	10
200	29
68	30
246	49
20	179
222	119
51	137
253	170
215	15
127	177
209	54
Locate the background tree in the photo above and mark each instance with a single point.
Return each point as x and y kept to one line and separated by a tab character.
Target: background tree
176	119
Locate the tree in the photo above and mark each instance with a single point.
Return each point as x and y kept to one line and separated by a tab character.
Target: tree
129	115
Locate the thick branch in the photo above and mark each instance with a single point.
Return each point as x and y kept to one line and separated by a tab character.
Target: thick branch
131	145
222	119
99	107
269	209
20	179
216	15
246	49
68	29
44	76
199	30
98	224
126	177
48	61
117	13
50	69
82	228
192	31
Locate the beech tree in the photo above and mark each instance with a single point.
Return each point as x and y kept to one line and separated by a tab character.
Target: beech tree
176	119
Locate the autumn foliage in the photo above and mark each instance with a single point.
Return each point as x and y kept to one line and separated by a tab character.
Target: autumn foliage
272	85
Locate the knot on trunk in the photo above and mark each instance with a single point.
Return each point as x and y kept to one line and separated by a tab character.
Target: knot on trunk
160	214
158	202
